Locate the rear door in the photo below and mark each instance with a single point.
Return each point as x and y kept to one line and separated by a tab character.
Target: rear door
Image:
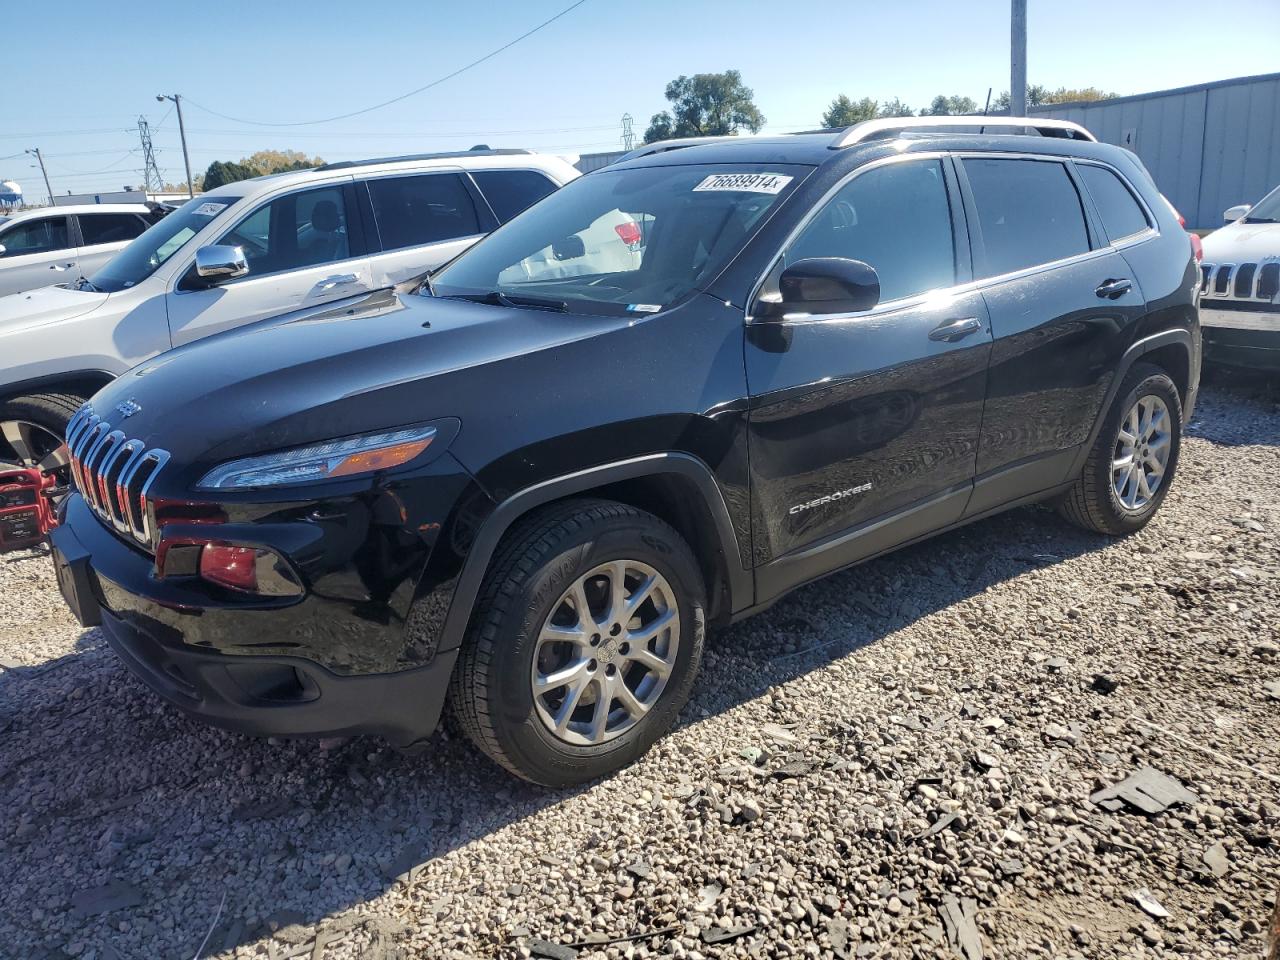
864	427
422	220
1062	302
304	248
37	253
102	234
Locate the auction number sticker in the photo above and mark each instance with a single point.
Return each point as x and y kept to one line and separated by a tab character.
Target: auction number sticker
745	182
209	209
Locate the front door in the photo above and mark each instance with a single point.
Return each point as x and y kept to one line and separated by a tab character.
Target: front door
37	253
1062	305
304	249
864	428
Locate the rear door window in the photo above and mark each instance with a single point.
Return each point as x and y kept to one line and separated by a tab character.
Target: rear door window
1029	213
35	236
109	227
512	191
426	208
1121	214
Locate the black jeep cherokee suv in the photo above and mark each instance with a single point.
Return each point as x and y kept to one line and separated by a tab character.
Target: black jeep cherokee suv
655	402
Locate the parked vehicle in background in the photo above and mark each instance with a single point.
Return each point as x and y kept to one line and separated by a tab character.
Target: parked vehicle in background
242	253
528	493
1240	286
50	245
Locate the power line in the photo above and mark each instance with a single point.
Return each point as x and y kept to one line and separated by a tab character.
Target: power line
352	134
403	96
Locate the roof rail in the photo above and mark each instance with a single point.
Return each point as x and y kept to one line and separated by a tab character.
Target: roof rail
1004	126
664	146
449	155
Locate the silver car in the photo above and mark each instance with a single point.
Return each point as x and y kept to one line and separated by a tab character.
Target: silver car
39	248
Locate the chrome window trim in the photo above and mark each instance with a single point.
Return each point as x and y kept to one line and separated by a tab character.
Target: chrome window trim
956	290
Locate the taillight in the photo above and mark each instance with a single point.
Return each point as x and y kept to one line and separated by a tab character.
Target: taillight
629	232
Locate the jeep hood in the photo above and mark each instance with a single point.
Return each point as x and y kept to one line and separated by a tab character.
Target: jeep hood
35	308
1243	243
381	361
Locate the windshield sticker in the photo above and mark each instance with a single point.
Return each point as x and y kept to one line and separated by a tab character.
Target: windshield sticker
644	307
212	209
745	182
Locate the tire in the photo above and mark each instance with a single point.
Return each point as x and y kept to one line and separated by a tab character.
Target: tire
526	597
49	413
1094	503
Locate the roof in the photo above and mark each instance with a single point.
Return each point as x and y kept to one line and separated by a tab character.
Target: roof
556	167
82	208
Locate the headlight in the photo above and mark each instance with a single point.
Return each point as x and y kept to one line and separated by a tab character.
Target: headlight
321	461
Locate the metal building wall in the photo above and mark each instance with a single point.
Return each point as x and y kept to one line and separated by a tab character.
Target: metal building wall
1208	146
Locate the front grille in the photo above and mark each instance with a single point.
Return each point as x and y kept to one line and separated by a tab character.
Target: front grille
1240	281
114	475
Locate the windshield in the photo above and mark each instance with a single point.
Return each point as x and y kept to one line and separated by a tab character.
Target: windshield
622	241
161	241
1266	210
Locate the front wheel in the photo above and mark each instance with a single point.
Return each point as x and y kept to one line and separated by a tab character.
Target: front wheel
32	429
584	644
1133	460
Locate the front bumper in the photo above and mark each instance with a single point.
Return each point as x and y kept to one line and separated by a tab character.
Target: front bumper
1241	338
319	665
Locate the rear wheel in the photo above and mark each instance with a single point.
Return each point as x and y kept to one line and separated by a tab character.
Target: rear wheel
584	644
32	431
1134	458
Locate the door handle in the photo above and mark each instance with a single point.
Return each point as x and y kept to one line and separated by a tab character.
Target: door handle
1114	289
54	266
328	283
954	330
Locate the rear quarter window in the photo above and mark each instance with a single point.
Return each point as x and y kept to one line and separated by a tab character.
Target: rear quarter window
510	192
1122	215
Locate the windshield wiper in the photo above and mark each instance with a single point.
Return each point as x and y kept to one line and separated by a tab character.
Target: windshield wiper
83	281
499	299
1260	220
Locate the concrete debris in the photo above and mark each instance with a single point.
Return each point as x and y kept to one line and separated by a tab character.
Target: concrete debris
958	923
1147	790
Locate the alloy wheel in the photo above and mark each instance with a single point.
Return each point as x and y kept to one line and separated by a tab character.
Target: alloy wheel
606	652
1141	454
24	444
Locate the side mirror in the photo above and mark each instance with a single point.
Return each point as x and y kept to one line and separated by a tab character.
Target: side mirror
217	263
823	285
2	250
570	248
1232	214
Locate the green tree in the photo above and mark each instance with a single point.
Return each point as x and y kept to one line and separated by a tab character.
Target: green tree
844	112
221	172
706	105
278	161
895	108
943	106
1038	95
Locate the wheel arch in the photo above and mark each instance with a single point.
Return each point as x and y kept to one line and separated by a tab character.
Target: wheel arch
1171	350
677	487
81	383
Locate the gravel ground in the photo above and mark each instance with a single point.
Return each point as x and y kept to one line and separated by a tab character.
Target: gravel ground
897	761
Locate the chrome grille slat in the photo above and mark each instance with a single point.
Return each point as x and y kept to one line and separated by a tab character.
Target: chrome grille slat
1250	282
114	474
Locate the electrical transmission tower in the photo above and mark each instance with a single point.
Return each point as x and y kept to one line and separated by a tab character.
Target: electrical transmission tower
628	138
152	183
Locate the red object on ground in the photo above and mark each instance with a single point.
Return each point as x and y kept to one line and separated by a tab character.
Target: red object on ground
26	512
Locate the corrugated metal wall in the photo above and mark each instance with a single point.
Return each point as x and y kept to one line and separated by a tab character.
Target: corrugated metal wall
1208	147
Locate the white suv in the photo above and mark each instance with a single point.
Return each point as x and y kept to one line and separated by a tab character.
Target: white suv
246	252
50	245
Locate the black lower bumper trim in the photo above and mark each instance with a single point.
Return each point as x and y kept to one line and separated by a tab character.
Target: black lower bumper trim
283	696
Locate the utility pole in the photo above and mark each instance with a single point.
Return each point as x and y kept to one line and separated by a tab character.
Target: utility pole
151	180
182	132
628	138
1018	59
39	159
